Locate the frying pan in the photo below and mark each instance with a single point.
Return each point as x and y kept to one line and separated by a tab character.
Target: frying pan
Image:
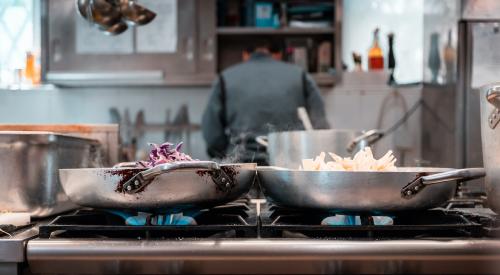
168	187
408	189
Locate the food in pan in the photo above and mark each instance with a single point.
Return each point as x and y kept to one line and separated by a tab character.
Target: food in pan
164	153
362	161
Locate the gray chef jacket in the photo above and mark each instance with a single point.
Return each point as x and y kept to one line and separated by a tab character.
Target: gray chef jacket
254	98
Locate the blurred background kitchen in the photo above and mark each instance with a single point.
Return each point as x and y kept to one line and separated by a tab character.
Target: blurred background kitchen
377	62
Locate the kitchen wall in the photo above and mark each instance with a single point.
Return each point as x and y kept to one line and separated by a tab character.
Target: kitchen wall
92	105
348	106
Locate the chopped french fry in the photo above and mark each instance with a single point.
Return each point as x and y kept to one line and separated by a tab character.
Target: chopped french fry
362	161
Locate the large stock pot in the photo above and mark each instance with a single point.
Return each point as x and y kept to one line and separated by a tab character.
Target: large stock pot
29	163
287	149
490	132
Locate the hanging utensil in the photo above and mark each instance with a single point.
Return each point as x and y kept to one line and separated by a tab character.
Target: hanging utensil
113	16
135	14
102	13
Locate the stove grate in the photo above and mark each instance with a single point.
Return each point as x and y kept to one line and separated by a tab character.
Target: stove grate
234	220
436	223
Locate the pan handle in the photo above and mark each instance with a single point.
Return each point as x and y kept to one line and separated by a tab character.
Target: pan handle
420	183
262	140
142	179
152	173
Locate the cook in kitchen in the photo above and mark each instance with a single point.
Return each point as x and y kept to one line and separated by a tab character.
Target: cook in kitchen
259	95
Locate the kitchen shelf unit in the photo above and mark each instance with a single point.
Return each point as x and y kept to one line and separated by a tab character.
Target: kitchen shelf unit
232	40
204	49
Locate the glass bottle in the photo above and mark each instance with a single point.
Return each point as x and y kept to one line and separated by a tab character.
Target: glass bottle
29	70
391	60
449	56
357	62
375	55
434	61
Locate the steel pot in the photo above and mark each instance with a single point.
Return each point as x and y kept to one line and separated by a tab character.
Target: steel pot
29	163
490	132
287	149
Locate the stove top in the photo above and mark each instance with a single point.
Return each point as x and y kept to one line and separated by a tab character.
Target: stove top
244	219
246	237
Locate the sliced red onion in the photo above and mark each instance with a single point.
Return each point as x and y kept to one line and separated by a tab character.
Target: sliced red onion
164	153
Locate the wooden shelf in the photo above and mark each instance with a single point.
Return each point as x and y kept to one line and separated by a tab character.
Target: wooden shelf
272	31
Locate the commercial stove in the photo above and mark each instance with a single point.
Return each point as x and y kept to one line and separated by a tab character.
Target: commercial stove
253	236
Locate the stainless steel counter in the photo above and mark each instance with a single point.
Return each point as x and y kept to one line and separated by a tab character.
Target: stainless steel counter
97	256
12	250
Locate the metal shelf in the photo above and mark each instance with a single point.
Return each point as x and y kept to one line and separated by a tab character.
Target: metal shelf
272	31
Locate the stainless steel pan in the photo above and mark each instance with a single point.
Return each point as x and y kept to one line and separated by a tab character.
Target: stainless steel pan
167	187
408	189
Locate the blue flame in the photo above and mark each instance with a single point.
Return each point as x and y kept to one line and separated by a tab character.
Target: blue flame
141	218
338	220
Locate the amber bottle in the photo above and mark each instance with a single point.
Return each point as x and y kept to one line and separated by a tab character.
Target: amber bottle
375	55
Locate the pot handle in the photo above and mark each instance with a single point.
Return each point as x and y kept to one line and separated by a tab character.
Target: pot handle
144	178
262	140
493	97
421	182
368	137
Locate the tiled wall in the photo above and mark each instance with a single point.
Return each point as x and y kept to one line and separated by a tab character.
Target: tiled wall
348	106
92	105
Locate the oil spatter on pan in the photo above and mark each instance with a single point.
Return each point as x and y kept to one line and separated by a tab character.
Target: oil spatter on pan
125	175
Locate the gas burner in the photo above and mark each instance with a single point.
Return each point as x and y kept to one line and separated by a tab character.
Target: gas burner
234	220
281	215
435	223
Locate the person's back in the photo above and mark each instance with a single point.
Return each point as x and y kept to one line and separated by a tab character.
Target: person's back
263	94
254	98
